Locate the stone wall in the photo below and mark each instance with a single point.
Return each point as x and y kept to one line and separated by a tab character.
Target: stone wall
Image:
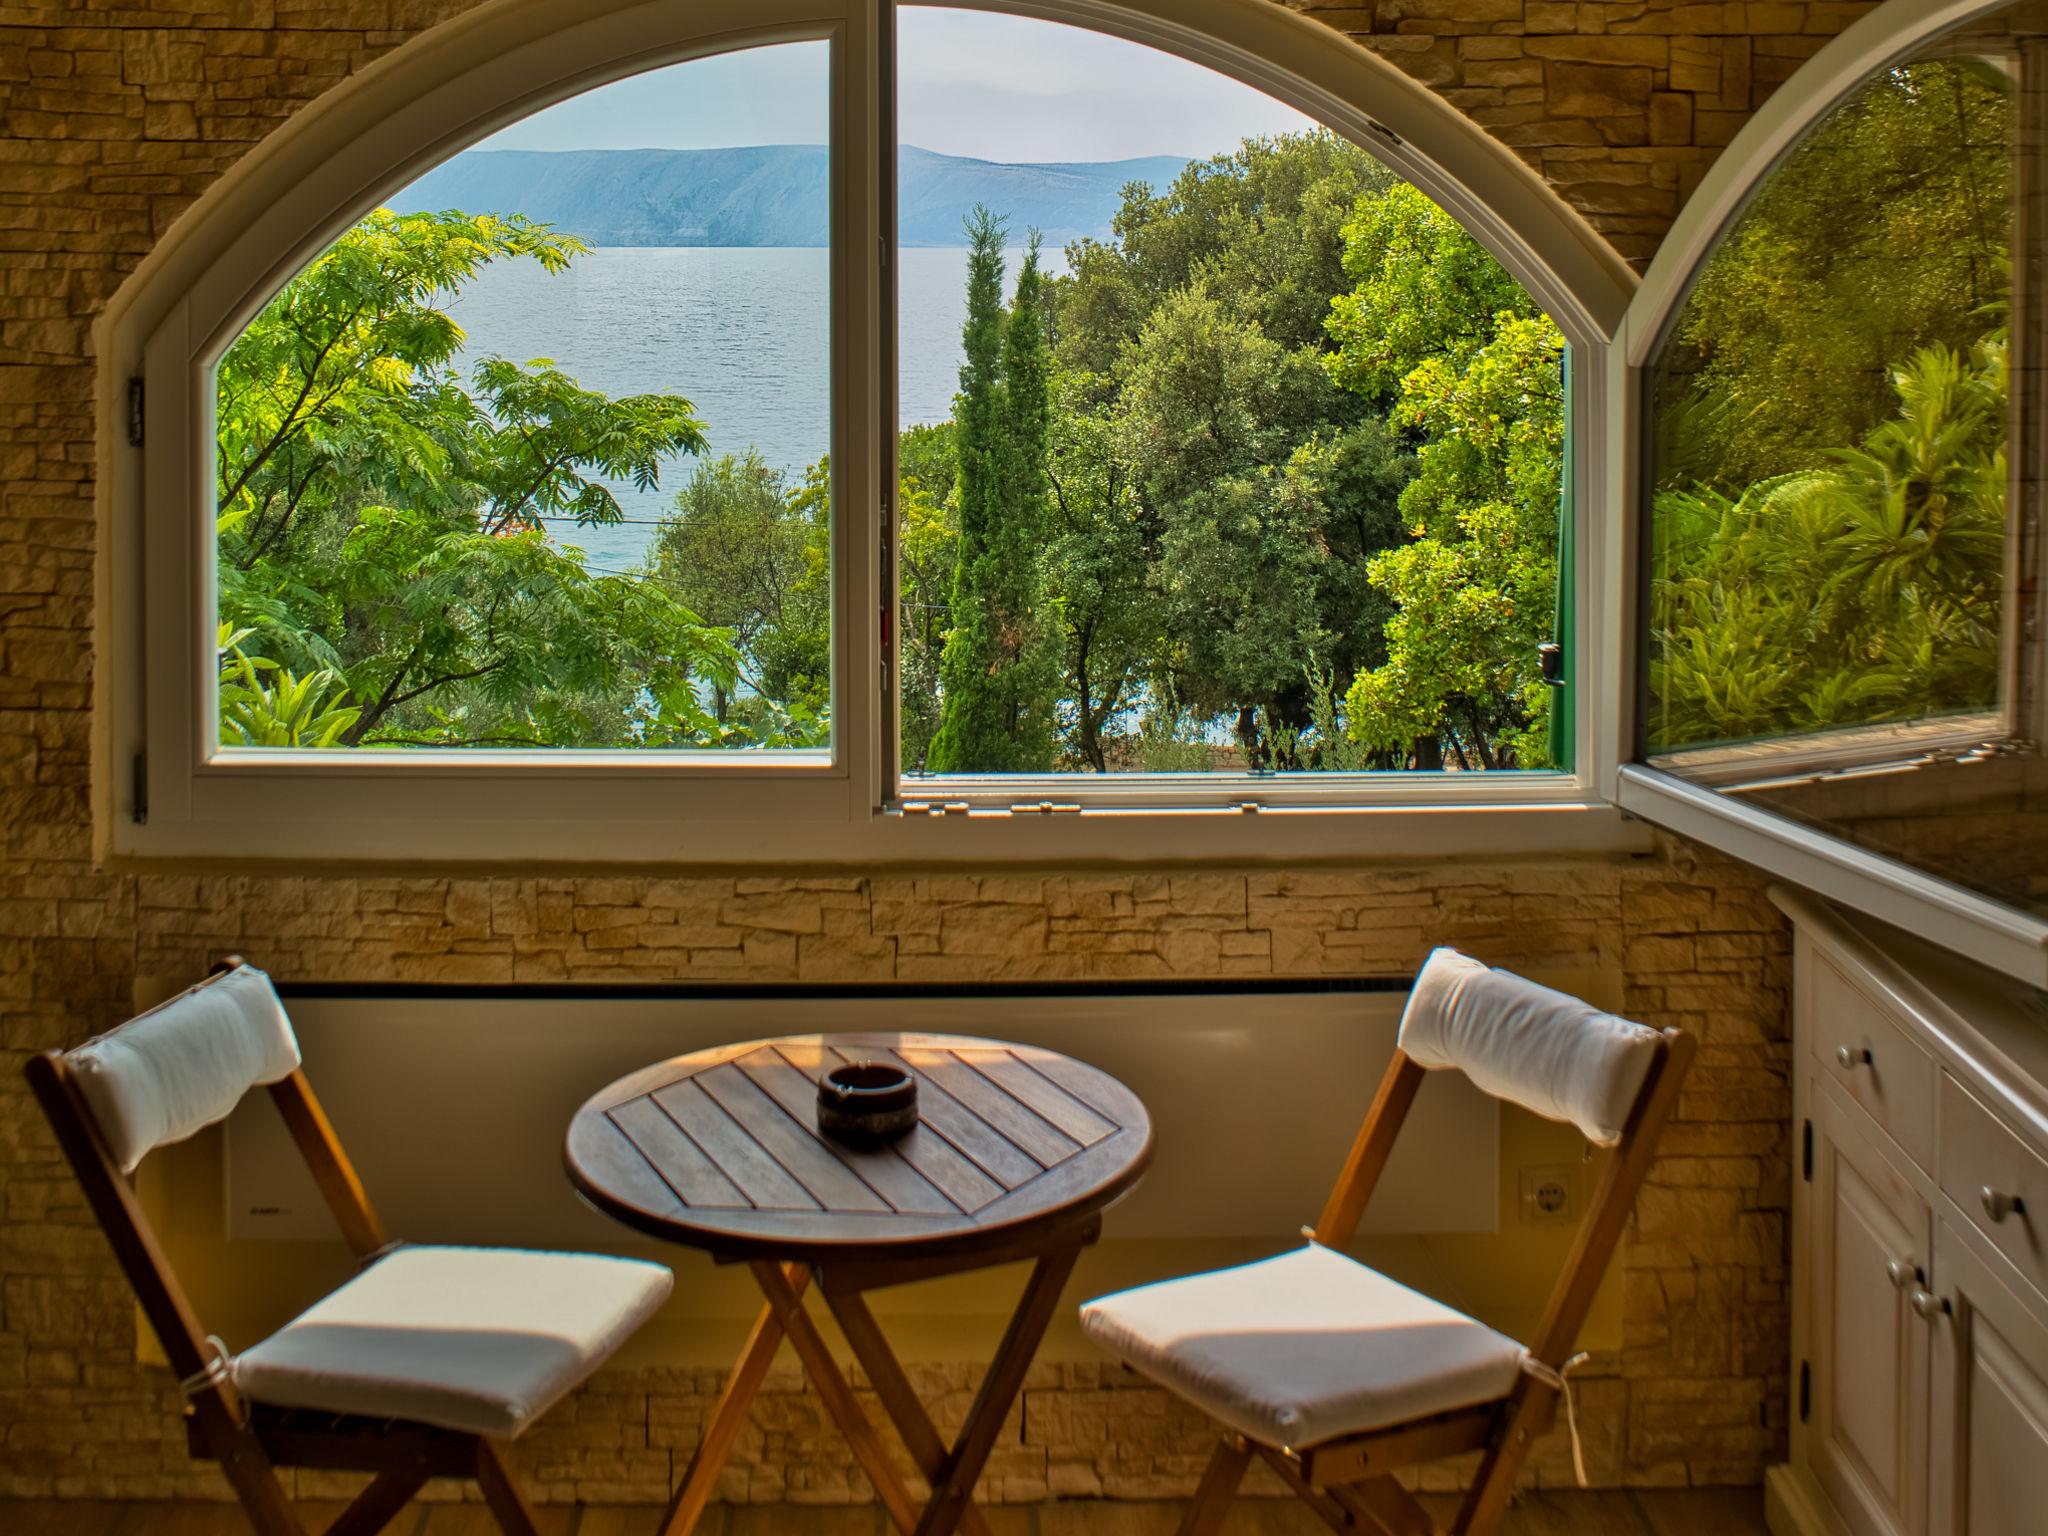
116	118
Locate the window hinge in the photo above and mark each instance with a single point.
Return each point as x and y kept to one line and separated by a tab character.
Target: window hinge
1805	1391
1043	808
933	807
135	413
138	790
1806	1152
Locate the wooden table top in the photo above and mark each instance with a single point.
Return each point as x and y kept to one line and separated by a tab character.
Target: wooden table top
720	1150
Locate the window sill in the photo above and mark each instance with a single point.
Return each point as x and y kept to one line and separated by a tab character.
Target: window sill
958	834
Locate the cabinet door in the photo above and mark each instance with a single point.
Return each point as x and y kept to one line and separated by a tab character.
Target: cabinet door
1867	1440
1990	1419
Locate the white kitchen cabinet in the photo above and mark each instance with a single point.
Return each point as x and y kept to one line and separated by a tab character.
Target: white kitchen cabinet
1990	1401
1920	1242
1867	1412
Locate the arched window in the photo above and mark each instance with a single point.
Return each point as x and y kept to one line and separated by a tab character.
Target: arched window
798	430
1841	642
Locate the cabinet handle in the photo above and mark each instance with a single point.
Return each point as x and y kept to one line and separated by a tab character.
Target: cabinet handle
1998	1205
1928	1305
1900	1271
1851	1057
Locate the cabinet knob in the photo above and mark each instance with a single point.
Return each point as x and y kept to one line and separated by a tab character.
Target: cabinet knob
1928	1305
1999	1205
1852	1057
1901	1272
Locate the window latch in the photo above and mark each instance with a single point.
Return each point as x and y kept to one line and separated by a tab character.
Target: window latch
1043	808
1550	658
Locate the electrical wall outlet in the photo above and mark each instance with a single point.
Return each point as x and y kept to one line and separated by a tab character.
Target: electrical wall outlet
1550	1195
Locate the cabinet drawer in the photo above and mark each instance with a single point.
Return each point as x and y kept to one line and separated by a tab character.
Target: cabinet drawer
1871	1057
1982	1164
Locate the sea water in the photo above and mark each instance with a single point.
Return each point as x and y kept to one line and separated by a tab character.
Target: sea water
743	334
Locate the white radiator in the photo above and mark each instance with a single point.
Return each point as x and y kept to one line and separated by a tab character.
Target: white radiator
453	1104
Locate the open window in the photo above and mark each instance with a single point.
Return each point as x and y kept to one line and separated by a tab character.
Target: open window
758	431
1837	365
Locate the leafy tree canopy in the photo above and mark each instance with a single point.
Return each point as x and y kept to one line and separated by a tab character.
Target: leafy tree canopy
381	521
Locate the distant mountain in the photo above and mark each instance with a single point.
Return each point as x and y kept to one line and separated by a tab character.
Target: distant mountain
773	194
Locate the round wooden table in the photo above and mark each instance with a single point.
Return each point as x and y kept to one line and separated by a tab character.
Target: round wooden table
1017	1153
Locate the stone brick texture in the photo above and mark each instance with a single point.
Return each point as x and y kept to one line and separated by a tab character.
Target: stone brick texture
118	117
1621	105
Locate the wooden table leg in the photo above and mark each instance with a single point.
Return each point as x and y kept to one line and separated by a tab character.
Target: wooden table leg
892	1386
840	1402
999	1389
729	1417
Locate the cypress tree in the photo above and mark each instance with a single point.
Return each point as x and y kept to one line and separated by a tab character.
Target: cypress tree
997	673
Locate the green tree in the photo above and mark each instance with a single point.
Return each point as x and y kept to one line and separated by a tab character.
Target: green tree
997	683
1863	591
1209	420
927	543
1884	231
1261	225
751	553
382	519
1217	497
1420	288
1098	566
1828	537
1474	585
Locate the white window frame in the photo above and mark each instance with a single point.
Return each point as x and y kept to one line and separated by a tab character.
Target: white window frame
162	793
1959	919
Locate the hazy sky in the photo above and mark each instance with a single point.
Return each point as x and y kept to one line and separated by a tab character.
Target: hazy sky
995	87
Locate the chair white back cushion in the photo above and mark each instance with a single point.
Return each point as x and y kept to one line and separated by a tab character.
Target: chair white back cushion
1547	1051
180	1067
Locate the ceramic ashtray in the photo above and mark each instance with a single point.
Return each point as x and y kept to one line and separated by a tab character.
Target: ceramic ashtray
866	1102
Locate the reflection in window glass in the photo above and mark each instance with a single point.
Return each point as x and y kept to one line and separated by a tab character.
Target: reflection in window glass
1829	465
1842	425
535	455
1223	449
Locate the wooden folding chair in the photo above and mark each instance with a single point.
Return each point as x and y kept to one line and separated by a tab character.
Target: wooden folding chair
1337	1377
426	1364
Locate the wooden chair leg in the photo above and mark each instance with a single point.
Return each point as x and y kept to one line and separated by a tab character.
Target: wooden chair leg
1388	1505
375	1507
502	1492
254	1480
1218	1487
1332	1511
1494	1486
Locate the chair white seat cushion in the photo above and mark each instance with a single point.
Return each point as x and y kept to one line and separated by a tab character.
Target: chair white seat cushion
1305	1347
478	1339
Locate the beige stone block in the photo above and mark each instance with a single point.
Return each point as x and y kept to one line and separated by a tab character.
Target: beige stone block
1596	90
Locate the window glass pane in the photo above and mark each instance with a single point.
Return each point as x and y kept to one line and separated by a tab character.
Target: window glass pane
1839	461
1223	450
535	455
